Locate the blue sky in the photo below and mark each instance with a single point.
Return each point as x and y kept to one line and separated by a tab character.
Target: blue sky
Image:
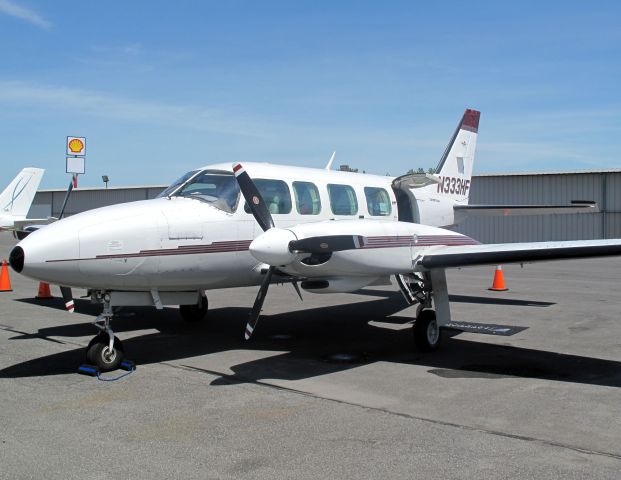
159	88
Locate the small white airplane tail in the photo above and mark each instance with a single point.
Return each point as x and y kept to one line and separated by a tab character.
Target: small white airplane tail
16	199
455	167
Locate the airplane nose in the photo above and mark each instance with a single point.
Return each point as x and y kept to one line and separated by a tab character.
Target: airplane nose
16	259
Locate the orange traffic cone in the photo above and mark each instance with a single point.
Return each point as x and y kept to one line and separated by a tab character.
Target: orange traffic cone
44	291
5	281
499	281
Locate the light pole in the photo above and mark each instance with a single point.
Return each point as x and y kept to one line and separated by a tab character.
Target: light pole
106	180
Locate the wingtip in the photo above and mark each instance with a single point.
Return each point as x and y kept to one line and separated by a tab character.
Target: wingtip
471	120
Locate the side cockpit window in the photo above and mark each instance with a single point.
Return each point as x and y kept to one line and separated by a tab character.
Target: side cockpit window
216	187
276	196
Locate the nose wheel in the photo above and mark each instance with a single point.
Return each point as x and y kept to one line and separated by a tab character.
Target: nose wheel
105	351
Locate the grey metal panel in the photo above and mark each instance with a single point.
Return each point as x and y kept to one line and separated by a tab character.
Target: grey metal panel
88	199
154	192
550	189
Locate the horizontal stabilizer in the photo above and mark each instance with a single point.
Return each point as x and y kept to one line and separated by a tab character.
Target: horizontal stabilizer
501	253
576	206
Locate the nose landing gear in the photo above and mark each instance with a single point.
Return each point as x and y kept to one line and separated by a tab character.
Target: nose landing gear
105	351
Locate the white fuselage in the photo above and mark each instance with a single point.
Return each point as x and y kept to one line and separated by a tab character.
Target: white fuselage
181	243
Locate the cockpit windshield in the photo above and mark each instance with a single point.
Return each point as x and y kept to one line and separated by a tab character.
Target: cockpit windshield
177	183
216	187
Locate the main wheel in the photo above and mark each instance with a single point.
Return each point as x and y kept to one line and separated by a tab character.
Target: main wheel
194	313
427	334
98	353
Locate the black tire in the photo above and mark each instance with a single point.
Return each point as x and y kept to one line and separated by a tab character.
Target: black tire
194	313
97	353
427	334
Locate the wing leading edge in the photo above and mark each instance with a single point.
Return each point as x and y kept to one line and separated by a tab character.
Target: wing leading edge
501	253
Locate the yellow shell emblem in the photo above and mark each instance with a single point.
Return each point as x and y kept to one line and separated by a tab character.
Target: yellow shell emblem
76	145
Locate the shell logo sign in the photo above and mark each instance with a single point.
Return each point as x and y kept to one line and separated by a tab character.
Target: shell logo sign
76	146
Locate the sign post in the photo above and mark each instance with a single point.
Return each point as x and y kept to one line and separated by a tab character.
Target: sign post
76	157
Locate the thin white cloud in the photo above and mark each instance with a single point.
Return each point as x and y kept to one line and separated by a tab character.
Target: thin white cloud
8	7
106	105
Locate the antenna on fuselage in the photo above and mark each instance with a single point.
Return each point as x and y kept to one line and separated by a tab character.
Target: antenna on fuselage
329	165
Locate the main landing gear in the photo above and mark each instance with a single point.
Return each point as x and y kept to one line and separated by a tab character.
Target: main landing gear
427	334
195	312
417	288
105	351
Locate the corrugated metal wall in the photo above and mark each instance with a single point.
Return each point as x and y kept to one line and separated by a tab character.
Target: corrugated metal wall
49	202
553	189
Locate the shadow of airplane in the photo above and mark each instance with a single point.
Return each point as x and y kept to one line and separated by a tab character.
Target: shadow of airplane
310	339
462	298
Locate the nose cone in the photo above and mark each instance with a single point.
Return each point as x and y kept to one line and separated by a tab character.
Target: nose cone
272	247
47	254
16	259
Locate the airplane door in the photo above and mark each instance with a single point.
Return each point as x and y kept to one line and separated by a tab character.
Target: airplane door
407	204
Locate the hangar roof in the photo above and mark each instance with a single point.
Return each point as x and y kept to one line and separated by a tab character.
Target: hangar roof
551	172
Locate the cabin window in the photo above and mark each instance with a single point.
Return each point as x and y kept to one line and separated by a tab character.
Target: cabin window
275	194
343	200
306	198
378	201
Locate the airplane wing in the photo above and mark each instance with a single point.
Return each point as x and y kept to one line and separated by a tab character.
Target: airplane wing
576	206
501	253
21	224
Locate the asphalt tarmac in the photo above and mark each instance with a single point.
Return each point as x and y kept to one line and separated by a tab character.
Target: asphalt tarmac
330	387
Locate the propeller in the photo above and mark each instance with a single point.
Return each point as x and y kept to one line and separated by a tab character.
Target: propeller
67	298
254	199
264	218
67	195
253	317
326	244
277	246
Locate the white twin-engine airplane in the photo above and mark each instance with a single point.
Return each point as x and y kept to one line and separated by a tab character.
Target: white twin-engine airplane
328	231
16	199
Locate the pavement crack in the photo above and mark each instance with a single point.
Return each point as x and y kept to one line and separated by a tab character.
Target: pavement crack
234	379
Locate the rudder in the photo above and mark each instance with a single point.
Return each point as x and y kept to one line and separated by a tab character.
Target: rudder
16	199
455	167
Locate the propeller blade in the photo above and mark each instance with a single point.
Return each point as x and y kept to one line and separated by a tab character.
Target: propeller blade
67	298
326	244
297	289
254	199
253	318
67	195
